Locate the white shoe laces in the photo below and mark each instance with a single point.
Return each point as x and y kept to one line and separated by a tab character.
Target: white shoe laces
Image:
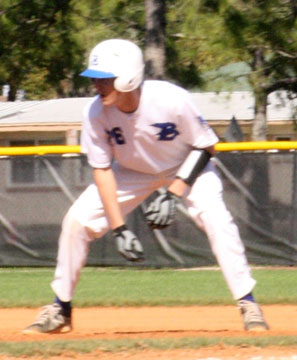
252	312
48	311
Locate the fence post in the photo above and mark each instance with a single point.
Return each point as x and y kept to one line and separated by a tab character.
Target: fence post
294	208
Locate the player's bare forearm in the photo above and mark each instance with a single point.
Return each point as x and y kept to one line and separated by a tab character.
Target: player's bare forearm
107	187
178	187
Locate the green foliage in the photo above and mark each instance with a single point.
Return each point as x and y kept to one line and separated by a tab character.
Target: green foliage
38	36
36	85
106	19
231	77
265	32
189	46
197	43
47	42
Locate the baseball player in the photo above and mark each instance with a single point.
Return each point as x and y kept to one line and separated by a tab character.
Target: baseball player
140	136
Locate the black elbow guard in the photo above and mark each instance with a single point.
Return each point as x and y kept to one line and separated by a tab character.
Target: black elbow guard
193	165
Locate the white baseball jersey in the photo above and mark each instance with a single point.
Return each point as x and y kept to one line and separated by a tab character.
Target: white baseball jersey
156	137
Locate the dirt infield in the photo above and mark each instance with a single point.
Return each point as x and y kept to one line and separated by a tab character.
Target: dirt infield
161	322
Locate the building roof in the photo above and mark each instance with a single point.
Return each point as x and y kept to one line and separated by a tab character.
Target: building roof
240	104
67	110
213	106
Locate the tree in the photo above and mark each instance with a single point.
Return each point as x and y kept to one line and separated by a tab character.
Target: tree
38	44
155	38
266	34
48	64
195	41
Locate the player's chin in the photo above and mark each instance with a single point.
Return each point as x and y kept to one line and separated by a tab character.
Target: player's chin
107	100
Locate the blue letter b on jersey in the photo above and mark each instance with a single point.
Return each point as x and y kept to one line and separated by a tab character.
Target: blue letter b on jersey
168	131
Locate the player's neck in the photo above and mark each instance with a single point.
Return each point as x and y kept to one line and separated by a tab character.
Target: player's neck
128	102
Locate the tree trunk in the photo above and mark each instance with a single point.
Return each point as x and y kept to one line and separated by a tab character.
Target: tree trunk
12	92
258	79
155	38
259	132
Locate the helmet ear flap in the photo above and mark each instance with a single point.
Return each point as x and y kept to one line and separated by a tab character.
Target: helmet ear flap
129	82
122	83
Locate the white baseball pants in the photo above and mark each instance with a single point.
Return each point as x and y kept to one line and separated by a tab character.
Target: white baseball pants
85	221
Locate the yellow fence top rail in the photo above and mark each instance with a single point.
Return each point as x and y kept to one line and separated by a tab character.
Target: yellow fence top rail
76	149
257	145
39	150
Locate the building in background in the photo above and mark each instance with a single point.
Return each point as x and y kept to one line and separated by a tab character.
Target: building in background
58	121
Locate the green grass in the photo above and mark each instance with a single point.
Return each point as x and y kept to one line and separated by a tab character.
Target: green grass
30	287
58	347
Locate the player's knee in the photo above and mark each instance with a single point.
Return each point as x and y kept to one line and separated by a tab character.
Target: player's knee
72	222
217	220
88	228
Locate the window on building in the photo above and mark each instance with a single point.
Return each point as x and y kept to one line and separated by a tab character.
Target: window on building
283	138
84	171
33	170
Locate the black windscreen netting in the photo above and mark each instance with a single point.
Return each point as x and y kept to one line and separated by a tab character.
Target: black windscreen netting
260	191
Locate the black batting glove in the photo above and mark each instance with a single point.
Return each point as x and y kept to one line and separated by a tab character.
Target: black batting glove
161	211
127	244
